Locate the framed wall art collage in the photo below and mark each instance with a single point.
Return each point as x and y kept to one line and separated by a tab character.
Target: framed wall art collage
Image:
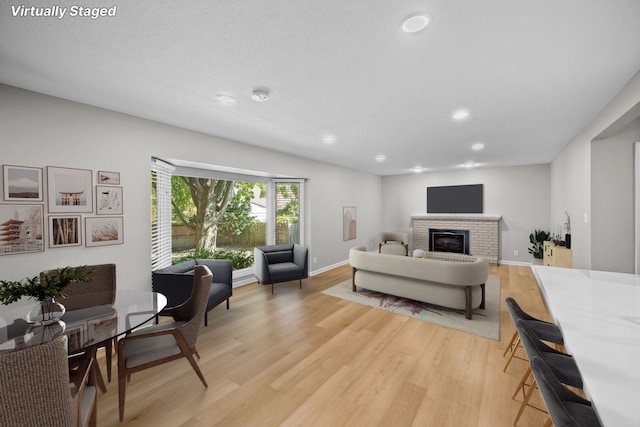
61	206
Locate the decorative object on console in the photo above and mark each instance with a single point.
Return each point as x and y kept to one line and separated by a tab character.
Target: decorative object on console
567	229
537	239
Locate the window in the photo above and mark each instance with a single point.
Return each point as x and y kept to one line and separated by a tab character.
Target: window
160	214
287	216
254	210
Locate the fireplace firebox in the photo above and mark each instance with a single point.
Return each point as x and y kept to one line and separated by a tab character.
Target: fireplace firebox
456	241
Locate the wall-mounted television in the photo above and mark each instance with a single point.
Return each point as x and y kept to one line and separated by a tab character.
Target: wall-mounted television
455	199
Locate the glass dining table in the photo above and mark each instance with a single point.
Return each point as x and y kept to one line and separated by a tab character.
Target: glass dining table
85	328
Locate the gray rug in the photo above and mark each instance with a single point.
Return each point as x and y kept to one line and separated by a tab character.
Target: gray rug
485	323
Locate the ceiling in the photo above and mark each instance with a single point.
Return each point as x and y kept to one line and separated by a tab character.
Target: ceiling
532	74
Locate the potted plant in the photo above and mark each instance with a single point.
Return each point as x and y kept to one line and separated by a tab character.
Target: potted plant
537	239
47	310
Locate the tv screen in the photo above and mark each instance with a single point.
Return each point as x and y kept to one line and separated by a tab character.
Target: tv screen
455	199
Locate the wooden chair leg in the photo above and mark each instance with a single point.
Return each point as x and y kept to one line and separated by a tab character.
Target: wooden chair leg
525	402
123	377
548	423
522	383
513	353
510	345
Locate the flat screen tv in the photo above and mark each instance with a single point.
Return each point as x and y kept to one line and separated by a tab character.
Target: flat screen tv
455	199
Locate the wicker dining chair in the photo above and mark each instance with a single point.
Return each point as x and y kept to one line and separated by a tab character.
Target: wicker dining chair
35	388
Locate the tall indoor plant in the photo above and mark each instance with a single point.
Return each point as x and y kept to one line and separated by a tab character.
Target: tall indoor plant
537	239
45	292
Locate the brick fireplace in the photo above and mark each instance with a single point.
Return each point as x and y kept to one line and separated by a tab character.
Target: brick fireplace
482	229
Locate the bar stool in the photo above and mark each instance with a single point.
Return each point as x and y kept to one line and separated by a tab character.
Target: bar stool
546	331
563	365
565	408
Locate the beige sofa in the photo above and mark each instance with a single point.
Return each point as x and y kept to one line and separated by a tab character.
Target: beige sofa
455	284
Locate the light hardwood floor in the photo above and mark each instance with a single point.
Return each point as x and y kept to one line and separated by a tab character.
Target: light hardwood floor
302	358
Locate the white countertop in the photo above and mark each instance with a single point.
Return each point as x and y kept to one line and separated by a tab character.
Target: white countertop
599	315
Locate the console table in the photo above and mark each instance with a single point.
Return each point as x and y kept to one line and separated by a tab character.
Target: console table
557	256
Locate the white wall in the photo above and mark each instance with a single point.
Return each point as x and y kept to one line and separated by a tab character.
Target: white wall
520	194
571	172
612	201
40	131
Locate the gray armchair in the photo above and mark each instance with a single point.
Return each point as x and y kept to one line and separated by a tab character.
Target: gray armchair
176	283
280	263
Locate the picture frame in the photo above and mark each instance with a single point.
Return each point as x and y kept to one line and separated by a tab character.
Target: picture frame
21	229
103	231
69	190
22	183
349	223
64	231
108	200
108	178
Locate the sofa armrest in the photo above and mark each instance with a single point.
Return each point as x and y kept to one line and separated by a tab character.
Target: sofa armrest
261	266
300	257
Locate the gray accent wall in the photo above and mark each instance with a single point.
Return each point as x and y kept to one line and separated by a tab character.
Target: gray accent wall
520	194
612	201
39	130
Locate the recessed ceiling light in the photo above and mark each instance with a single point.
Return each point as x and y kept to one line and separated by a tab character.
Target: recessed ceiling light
469	165
260	95
380	158
328	139
460	115
225	99
415	22
477	146
418	169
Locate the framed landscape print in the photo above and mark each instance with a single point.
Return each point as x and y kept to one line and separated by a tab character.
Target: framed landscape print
108	200
64	231
69	190
21	183
103	231
21	229
109	178
349	223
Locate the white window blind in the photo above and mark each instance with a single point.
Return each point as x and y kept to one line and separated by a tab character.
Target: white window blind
161	214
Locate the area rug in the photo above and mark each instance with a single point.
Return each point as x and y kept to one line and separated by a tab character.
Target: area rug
485	322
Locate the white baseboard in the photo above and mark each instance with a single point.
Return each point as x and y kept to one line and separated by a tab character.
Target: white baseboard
508	262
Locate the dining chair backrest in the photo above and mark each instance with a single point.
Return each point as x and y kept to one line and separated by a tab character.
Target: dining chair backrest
99	290
34	385
563	364
193	309
565	408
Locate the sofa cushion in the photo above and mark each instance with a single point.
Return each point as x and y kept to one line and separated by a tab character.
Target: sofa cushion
183	267
285	271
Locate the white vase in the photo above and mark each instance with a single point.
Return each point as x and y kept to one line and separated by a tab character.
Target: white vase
45	312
